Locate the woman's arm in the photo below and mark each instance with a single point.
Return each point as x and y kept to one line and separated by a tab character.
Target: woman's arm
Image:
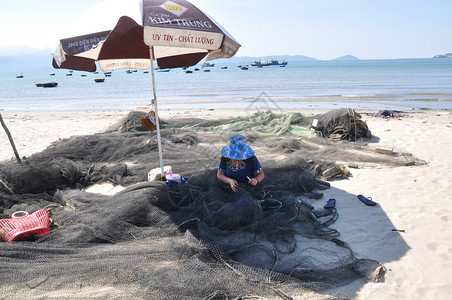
232	182
258	178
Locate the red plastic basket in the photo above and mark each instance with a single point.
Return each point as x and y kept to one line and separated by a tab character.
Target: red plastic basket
22	225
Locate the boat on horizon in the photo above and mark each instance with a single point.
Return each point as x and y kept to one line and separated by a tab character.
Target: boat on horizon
265	63
20	76
207	65
46	84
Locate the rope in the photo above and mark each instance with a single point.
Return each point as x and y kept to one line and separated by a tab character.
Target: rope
194	219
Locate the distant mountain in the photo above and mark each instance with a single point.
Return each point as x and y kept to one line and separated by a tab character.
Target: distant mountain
43	59
347	57
21	63
275	57
447	55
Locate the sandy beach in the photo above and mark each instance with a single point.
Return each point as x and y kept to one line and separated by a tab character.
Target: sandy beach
409	230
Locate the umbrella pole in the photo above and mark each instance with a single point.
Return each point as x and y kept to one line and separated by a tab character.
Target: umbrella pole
159	140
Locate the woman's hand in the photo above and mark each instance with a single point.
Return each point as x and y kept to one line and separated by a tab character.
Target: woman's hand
253	181
233	183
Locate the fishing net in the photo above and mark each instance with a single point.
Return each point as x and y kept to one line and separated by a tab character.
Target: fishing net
195	240
339	124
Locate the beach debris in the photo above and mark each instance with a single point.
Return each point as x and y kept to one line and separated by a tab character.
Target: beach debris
386	114
35	282
149	121
344	172
331	171
155	174
383	150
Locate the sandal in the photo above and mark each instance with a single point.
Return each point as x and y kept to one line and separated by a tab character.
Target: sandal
367	200
331	203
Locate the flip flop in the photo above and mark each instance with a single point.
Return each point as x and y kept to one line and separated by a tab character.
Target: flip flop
367	200
331	203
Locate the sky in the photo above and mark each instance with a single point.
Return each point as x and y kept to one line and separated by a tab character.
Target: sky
322	29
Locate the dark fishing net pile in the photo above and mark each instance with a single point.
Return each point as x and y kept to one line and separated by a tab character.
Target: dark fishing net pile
195	240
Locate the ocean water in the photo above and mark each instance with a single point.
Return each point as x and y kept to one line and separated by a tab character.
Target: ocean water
399	84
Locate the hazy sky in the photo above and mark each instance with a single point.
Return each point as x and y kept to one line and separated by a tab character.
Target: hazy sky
323	29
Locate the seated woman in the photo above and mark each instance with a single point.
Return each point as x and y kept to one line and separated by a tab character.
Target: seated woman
238	164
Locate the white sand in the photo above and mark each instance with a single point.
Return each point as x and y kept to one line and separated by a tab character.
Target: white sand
415	198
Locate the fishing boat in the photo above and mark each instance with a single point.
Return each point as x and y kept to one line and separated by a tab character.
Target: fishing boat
46	84
265	63
99	79
207	65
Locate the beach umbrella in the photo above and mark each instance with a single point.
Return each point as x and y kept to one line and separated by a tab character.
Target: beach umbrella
174	33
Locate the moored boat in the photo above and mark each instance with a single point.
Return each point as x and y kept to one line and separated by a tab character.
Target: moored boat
273	62
46	84
207	65
99	79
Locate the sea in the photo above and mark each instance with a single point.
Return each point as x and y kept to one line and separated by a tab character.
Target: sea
396	84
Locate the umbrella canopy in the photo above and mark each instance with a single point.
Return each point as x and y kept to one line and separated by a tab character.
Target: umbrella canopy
174	33
179	34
